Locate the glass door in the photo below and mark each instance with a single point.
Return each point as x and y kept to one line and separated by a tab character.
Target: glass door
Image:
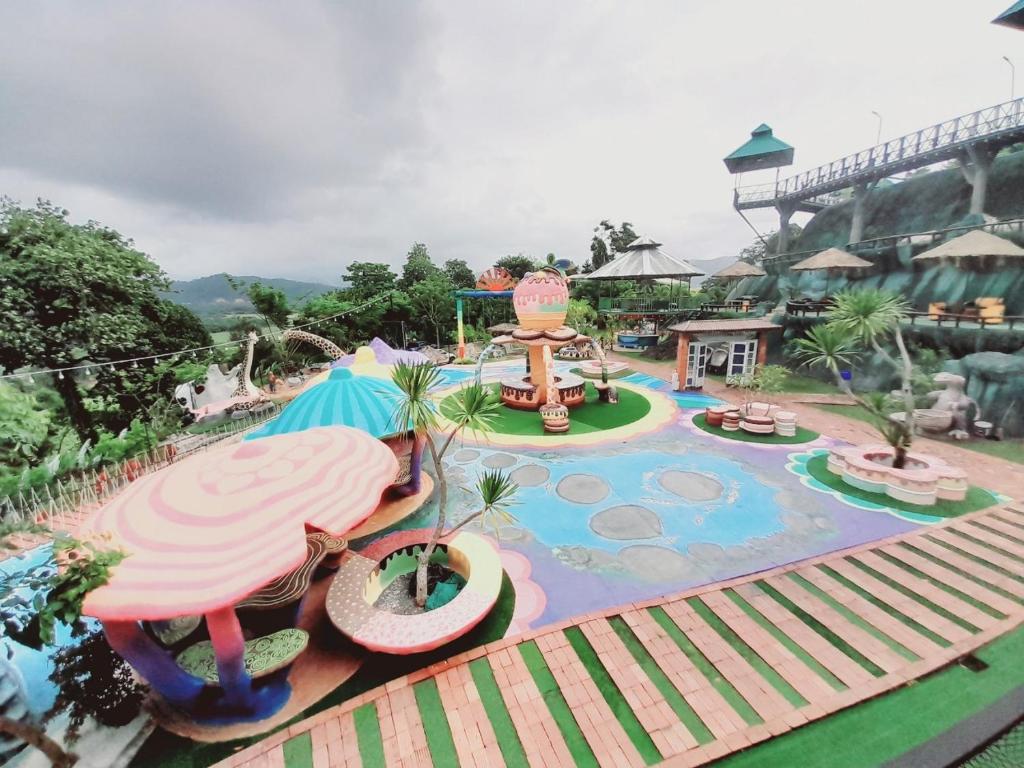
696	364
742	355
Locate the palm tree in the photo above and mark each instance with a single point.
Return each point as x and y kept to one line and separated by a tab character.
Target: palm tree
475	408
862	320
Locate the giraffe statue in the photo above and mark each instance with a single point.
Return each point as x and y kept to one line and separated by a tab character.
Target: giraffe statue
333	350
245	388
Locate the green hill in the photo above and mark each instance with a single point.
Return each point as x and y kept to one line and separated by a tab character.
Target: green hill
212	297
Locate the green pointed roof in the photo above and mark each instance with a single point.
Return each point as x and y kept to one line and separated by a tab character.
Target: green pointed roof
763	150
1012	16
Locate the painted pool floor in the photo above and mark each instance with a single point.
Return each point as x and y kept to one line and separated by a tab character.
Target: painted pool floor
631	519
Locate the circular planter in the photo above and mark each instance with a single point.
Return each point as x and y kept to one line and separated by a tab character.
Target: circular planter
923	480
363	576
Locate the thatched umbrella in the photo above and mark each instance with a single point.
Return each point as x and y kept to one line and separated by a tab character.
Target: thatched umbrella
976	244
739	270
831	261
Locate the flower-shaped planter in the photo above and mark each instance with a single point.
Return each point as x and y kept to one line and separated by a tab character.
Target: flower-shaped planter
363	576
923	480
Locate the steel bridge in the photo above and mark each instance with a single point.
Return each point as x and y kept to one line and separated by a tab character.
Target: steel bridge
992	128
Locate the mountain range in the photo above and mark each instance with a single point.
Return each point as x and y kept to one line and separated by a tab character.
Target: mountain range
213	296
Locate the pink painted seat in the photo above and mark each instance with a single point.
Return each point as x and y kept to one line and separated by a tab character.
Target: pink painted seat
358	584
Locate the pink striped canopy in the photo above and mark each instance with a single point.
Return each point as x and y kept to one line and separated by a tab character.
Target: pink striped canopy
206	532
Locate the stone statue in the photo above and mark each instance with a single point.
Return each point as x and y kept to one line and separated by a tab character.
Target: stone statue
953	400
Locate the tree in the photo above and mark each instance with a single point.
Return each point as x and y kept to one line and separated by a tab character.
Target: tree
861	320
518	266
418	267
609	240
474	408
367	280
271	304
24	428
431	300
71	293
459	273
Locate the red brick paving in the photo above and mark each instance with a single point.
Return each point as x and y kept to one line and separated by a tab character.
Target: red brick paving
333	732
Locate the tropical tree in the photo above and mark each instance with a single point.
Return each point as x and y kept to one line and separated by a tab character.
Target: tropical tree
432	301
518	265
863	320
459	273
367	280
475	408
418	267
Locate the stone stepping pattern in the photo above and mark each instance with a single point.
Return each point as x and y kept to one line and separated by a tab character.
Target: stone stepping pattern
694	676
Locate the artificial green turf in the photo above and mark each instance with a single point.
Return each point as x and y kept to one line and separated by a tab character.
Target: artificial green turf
913	595
581	753
853	618
298	751
983	607
706	668
876	731
979	560
977	498
985	544
802	435
435	724
962	573
737	643
589	416
673	697
166	750
821	629
996	532
371	745
613	697
797	650
921	629
494	705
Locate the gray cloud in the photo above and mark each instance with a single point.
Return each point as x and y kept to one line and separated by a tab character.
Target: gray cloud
290	139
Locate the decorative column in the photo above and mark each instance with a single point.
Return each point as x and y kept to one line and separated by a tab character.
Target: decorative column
458	323
682	356
229	649
762	348
154	663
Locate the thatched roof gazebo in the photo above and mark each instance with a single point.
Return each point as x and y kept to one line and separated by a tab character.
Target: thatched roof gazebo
739	270
976	244
831	259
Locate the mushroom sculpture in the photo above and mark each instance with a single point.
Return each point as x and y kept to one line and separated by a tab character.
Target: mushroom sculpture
205	533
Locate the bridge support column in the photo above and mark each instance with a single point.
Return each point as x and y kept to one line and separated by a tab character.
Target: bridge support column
860	194
786	211
975	163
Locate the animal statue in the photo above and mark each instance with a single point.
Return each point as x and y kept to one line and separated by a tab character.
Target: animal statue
333	350
952	399
243	396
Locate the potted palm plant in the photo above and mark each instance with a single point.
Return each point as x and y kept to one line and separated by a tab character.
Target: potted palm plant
474	408
860	321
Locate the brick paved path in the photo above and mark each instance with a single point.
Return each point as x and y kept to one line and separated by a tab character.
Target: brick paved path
691	677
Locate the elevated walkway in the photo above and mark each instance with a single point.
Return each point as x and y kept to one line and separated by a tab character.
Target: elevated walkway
991	128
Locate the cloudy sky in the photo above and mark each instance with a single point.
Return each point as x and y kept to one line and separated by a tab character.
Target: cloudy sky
289	139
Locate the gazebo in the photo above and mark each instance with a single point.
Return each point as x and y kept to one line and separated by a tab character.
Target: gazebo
974	245
832	261
762	150
745	342
739	270
646	262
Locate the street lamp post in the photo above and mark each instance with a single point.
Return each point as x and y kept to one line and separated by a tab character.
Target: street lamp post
878	136
1013	77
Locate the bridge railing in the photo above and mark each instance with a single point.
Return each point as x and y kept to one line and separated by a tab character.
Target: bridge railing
923	147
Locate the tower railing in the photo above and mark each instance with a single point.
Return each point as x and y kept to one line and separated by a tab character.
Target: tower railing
1002	124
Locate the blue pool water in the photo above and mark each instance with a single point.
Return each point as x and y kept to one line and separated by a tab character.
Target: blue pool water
745	508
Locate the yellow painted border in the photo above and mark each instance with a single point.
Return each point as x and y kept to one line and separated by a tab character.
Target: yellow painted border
663	410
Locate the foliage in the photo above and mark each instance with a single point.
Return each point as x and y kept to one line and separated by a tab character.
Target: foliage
431	300
418	267
518	265
862	320
93	681
474	407
459	274
73	293
271	304
367	280
24	427
581	316
767	380
609	241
